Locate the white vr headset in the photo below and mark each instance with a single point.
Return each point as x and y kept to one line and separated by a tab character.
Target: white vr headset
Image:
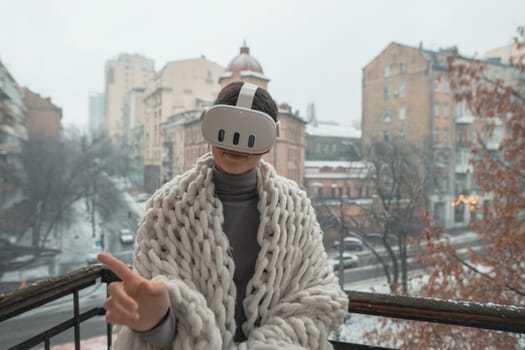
240	128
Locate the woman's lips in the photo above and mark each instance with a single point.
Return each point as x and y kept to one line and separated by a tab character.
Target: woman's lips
234	155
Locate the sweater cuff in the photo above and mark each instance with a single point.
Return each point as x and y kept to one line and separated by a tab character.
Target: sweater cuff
163	333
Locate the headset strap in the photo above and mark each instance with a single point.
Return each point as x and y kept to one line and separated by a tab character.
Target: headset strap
246	95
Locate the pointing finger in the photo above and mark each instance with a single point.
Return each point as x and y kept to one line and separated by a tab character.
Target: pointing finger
118	268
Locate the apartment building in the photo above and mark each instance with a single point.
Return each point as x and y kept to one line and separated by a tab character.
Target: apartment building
407	96
97	112
13	134
179	86
122	75
506	53
340	188
43	117
331	141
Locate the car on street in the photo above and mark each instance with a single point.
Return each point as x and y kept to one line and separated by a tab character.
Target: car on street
97	247
125	236
349	261
91	258
350	243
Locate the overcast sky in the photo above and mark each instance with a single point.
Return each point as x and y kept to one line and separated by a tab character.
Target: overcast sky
311	50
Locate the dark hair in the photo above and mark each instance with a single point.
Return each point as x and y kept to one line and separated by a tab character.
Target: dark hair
262	101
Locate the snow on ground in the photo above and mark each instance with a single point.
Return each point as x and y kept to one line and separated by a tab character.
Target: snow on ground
354	330
75	243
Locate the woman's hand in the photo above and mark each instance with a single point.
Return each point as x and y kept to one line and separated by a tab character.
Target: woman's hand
135	301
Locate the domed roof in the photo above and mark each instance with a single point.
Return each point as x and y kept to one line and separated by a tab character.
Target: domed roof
244	62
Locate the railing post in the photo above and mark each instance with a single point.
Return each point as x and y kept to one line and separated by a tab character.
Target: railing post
109	329
76	320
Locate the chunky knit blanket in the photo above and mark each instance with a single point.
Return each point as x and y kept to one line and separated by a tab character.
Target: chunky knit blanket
292	301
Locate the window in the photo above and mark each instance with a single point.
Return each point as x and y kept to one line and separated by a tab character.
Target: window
402	68
436	110
385	93
386	135
401	90
436	84
459	213
402	134
387	71
435	135
445	110
446	85
386	116
402	113
445	135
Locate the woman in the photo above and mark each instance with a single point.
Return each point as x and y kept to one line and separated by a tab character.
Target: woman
229	255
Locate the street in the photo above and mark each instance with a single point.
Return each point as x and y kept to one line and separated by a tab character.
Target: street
76	251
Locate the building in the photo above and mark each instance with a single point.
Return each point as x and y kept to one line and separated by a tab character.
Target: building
136	155
43	117
123	74
178	87
97	110
340	188
332	142
406	96
181	147
132	136
13	135
505	53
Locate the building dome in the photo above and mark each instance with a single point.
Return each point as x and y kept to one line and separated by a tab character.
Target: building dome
244	62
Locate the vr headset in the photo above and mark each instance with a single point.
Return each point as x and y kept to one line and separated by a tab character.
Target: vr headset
239	128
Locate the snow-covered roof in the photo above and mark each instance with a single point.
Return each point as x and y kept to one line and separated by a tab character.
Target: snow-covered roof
336	176
251	73
335	130
334	164
226	75
245	73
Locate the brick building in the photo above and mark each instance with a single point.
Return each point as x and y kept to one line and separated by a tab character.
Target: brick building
43	117
340	188
407	97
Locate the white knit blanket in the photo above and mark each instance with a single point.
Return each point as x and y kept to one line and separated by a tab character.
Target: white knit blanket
292	301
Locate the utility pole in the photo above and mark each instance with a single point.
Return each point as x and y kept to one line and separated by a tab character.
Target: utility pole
341	241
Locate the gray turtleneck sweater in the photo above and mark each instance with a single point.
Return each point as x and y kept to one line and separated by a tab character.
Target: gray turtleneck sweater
238	194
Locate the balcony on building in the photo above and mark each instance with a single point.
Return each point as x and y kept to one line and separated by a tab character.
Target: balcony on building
8	90
463	165
462	114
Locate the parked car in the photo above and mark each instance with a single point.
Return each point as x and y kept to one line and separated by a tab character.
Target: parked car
97	247
91	258
349	261
350	243
126	237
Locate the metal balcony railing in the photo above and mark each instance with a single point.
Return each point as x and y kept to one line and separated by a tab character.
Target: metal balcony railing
485	316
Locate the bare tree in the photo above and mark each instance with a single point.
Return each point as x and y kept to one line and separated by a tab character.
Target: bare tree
57	175
401	181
